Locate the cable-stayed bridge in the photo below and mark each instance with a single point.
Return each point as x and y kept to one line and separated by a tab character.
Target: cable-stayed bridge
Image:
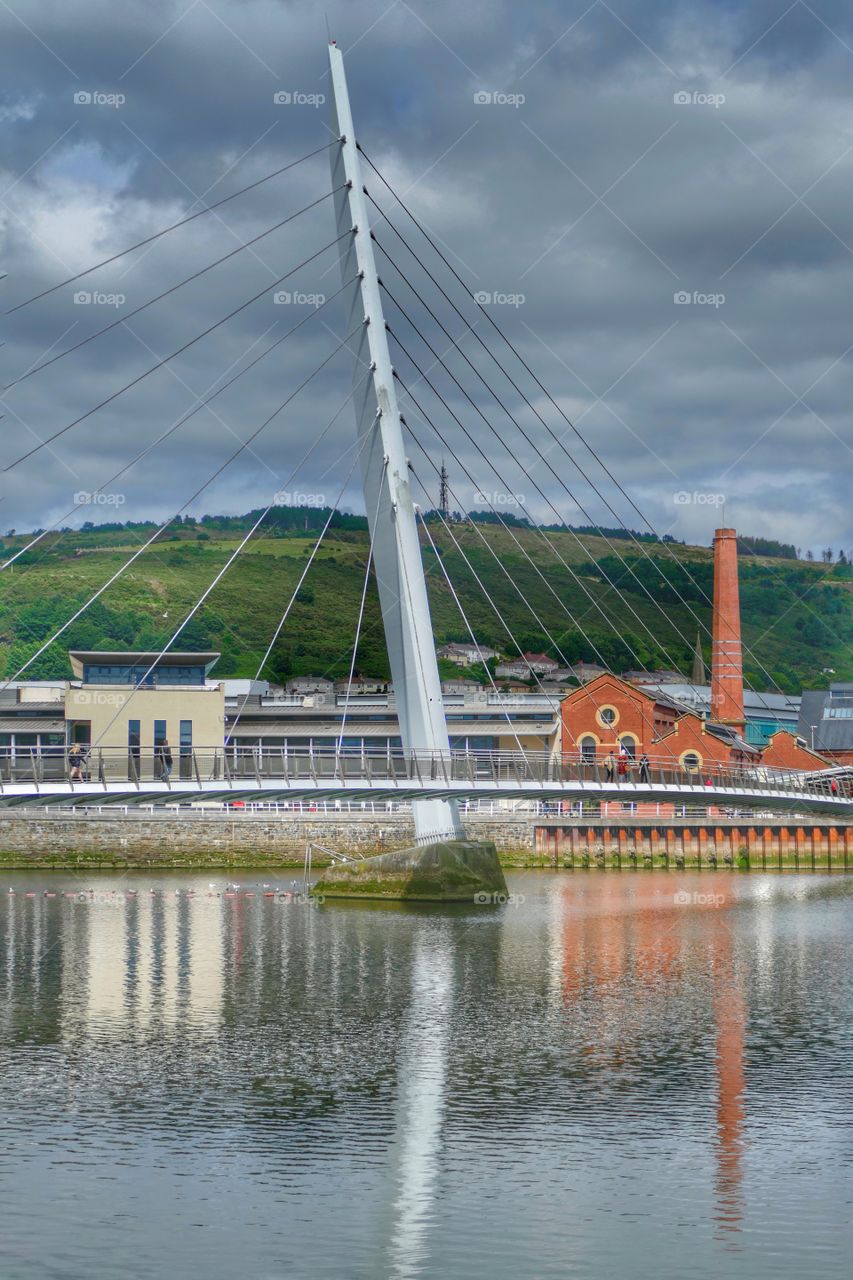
439	373
229	775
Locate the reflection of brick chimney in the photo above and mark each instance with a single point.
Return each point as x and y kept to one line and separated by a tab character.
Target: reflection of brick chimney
726	659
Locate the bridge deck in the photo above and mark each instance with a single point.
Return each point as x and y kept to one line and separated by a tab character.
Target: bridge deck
239	774
268	789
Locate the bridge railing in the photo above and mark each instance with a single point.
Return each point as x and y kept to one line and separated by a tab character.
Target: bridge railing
245	766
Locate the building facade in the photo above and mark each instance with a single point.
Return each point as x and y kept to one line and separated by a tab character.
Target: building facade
611	715
137	702
477	720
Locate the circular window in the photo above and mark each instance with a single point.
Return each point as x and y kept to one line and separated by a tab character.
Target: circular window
691	760
607	716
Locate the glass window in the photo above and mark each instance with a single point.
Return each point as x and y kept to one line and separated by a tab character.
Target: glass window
185	763
116	673
133	741
607	715
159	732
691	760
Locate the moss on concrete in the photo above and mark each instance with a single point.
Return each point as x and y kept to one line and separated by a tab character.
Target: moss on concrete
162	859
445	871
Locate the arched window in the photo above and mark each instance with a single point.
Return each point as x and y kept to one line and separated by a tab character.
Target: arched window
628	744
588	746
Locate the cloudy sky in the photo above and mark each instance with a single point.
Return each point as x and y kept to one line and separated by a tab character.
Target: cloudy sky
653	196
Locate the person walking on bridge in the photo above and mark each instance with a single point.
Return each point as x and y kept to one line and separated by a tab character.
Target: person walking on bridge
644	768
610	766
75	762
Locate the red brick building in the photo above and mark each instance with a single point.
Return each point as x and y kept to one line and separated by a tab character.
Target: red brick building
611	715
786	751
608	714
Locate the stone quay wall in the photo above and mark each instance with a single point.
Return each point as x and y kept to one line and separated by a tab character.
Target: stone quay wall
147	838
31	837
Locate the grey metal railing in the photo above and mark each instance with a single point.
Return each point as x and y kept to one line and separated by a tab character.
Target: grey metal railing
236	767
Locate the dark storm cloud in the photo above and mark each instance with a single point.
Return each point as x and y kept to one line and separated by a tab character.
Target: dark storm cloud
600	197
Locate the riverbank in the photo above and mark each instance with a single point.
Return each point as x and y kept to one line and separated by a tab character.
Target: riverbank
159	839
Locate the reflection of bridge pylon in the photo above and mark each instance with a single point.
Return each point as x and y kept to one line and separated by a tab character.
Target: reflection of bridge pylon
385	472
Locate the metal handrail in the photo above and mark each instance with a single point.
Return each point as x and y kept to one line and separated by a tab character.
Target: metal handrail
474	768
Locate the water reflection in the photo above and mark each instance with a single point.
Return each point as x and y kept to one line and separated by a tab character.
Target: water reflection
587	1077
421	1100
633	937
730	1015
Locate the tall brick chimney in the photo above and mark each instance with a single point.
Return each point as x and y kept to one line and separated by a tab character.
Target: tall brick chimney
726	657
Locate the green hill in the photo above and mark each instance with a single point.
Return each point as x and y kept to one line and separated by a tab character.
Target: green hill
797	616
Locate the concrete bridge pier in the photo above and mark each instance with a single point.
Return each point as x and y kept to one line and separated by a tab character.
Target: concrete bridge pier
441	871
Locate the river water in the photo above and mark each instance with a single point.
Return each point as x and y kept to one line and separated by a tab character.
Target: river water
613	1075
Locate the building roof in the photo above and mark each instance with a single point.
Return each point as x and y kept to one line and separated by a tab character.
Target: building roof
831	732
755	702
727	734
23	724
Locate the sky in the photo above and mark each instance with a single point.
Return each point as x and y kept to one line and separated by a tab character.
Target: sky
651	199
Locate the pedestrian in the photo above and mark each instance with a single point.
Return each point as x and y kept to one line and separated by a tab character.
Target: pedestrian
164	755
75	762
622	765
609	766
833	786
644	767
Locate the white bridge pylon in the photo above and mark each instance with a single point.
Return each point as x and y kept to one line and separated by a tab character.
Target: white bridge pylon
385	472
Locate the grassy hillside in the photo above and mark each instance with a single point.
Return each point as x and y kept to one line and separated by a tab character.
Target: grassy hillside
797	617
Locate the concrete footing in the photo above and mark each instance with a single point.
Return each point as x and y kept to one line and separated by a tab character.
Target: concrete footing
446	871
